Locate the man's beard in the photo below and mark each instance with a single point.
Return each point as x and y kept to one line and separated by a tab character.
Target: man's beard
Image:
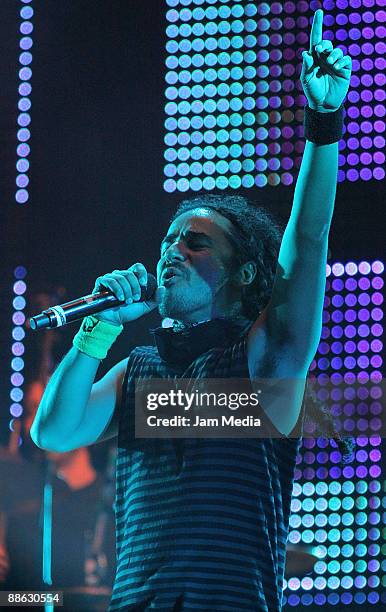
182	300
177	303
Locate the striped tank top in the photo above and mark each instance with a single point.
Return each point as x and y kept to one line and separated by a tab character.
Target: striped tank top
201	524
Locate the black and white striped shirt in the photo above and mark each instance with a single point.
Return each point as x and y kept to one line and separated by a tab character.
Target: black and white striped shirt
201	524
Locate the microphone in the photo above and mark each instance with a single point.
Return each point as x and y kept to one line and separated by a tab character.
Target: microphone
57	316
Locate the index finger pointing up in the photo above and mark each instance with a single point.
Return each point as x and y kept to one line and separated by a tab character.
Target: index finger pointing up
316	30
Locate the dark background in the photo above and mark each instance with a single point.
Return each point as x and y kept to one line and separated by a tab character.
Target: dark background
96	164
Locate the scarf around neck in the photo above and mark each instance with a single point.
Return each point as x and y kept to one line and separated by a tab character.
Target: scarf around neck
181	346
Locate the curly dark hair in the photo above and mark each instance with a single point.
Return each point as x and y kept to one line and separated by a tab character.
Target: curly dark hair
257	236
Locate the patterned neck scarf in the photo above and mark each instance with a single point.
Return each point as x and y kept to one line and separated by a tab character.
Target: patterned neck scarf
182	344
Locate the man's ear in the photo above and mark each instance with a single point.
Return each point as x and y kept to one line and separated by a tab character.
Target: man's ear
246	274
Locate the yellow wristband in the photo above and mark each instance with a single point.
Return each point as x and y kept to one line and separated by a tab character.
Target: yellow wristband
96	337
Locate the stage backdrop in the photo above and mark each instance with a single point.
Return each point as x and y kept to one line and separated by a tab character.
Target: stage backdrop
114	112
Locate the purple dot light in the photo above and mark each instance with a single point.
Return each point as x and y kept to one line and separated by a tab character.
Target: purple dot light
377	267
23	150
22	165
17	379
376	361
22	196
364	283
377	298
337	316
25	74
377	282
351	284
19	287
364	267
363	315
24	104
18	318
376	346
349	363
20	272
25	89
363	331
337	301
336	332
351	300
16	410
24	119
269	51
22	180
375	470
350	347
337	285
17	348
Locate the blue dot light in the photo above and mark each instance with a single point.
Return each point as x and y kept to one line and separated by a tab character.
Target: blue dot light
232	76
24	102
338	508
16	393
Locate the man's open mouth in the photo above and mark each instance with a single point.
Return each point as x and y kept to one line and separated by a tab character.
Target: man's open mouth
171	273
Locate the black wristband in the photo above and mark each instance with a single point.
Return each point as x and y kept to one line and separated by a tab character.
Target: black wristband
323	128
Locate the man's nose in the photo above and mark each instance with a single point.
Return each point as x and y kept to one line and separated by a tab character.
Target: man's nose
176	252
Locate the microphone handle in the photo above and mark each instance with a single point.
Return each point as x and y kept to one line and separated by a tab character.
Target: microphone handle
57	316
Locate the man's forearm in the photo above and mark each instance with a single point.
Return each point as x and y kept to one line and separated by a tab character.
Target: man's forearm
62	406
315	191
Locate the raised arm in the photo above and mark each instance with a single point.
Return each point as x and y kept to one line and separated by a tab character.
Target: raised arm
294	314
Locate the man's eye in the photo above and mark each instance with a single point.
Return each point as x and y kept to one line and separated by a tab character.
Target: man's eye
193	243
197	245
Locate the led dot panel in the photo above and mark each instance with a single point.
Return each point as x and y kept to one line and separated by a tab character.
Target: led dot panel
234	101
24	102
17	349
337	509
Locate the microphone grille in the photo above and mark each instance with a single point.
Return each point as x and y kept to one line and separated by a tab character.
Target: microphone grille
148	292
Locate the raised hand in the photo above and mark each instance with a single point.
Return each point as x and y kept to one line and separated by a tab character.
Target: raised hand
326	72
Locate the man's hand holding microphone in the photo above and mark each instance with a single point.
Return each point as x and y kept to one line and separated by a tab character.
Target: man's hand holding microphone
135	288
129	287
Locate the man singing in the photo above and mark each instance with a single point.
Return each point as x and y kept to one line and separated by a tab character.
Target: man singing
202	524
